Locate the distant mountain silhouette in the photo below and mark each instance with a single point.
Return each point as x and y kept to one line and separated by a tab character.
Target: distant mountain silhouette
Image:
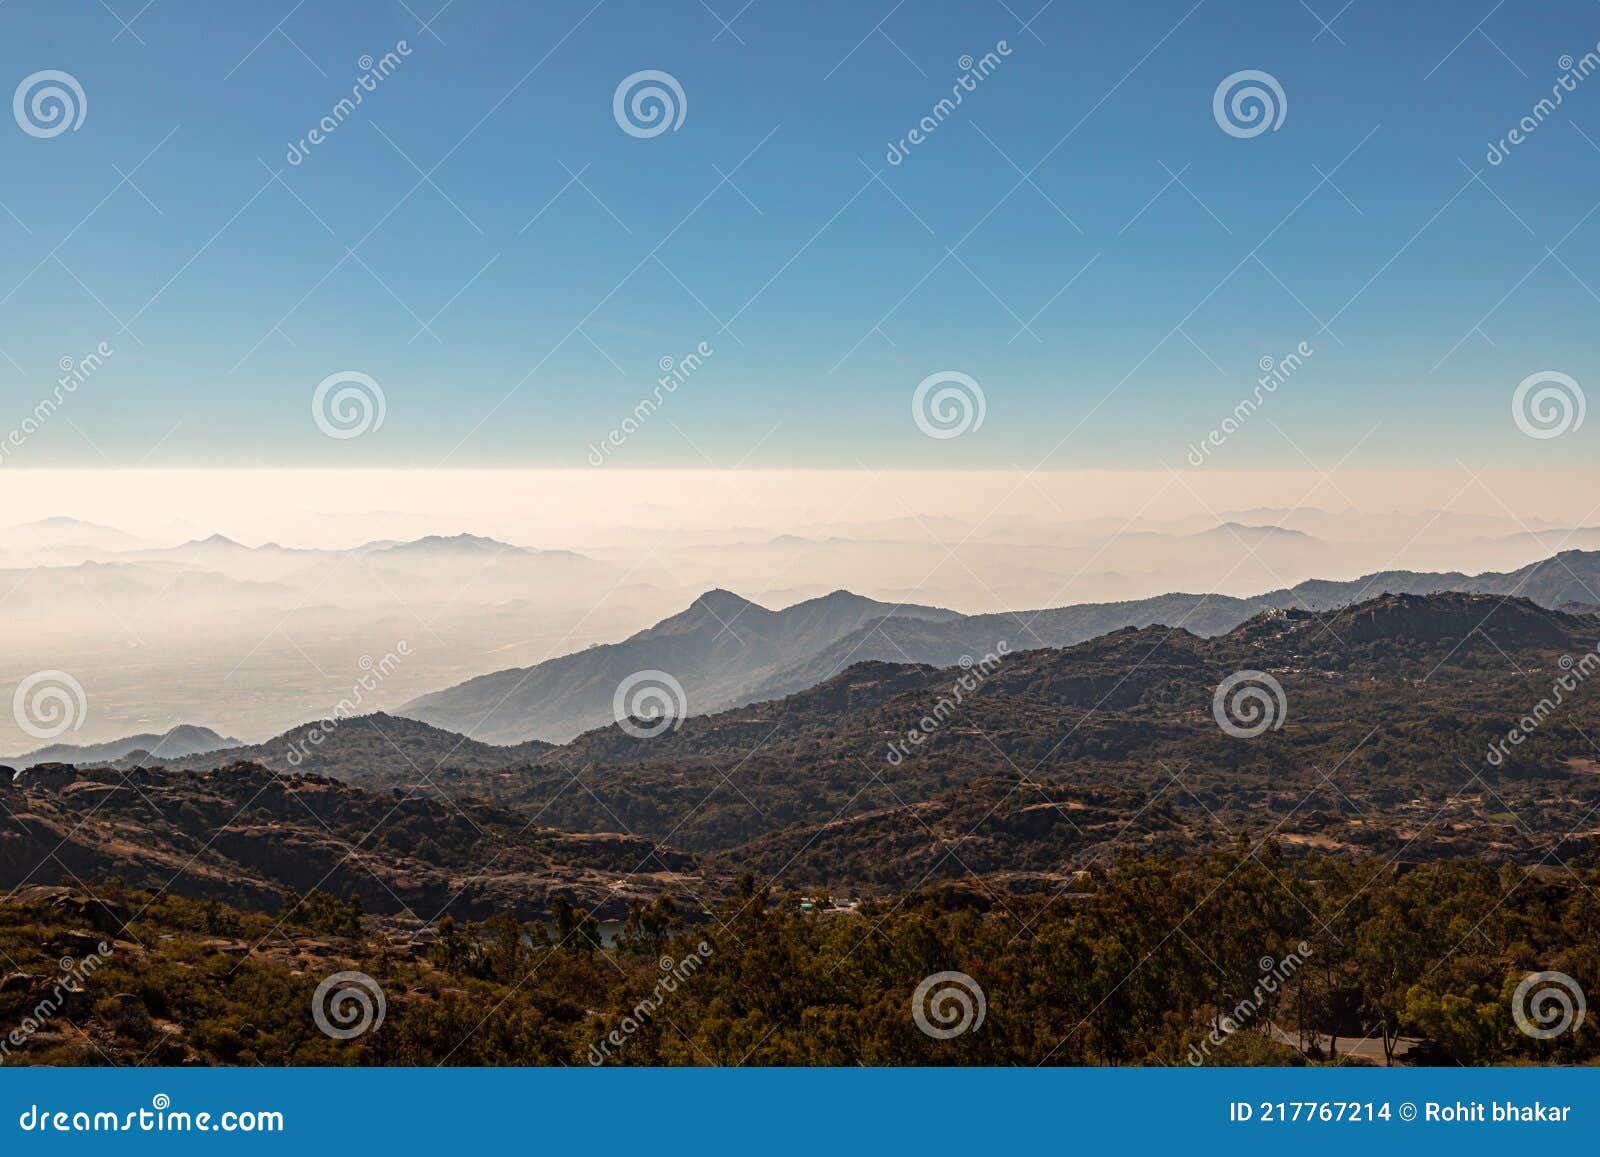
182	740
718	649
1243	532
727	651
58	531
372	750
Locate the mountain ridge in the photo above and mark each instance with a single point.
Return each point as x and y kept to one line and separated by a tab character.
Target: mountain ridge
707	648
183	739
1045	761
561	697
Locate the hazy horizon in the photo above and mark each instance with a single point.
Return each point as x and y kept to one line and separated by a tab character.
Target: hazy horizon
117	580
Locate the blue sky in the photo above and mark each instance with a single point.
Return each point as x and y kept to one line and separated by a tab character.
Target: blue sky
826	294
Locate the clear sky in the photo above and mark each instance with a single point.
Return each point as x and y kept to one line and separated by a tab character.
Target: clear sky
1080	236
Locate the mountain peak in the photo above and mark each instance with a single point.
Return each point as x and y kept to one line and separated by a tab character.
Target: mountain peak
1257	530
723	603
448	542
